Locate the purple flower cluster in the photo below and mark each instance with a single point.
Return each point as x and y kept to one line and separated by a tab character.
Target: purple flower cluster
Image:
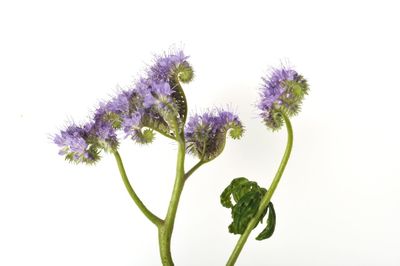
282	91
206	134
149	104
74	144
165	65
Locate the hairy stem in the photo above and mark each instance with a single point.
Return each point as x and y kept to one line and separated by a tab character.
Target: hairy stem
164	134
193	169
152	217
165	229
180	98
267	197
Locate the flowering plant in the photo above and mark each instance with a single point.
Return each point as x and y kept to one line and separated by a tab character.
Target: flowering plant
157	104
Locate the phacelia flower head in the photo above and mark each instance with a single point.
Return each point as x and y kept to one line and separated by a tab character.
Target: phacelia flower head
206	134
156	102
170	66
282	91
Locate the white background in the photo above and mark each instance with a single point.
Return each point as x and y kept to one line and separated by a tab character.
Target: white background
338	201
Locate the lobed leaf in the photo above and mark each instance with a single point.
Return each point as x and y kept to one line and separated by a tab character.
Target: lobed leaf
243	197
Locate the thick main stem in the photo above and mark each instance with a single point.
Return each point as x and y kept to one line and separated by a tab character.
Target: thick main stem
152	217
267	197
165	229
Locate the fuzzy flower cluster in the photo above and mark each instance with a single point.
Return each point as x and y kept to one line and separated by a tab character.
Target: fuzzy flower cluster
75	144
152	104
206	134
282	91
173	63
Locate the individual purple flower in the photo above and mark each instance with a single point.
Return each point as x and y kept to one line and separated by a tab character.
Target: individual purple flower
153	93
282	91
120	103
132	123
206	134
162	89
103	133
74	144
109	114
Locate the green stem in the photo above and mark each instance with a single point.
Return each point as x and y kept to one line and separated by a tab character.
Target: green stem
178	88
152	217
193	169
267	197
165	229
200	163
164	134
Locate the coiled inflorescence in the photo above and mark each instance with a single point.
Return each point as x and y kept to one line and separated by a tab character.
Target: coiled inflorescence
77	144
156	102
206	134
283	91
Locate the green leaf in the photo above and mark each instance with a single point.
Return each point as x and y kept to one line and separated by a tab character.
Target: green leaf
246	196
244	211
271	221
237	188
225	197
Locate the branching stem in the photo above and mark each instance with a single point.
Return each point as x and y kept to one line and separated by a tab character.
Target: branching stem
193	169
152	217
